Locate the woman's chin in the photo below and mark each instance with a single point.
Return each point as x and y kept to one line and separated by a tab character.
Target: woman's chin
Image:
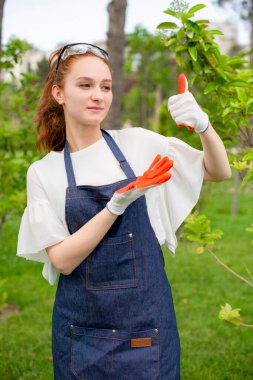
93	120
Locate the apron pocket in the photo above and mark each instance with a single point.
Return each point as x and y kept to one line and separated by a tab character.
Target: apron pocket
112	264
106	354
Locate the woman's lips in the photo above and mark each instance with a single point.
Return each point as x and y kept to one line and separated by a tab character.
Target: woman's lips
95	108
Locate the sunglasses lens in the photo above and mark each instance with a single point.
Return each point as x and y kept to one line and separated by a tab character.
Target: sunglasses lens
82	49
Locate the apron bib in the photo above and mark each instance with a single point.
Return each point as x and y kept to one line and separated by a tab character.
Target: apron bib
113	316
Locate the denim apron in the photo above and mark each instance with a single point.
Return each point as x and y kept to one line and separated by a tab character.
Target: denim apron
113	316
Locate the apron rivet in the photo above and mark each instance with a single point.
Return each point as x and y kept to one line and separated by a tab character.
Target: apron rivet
156	330
130	235
113	331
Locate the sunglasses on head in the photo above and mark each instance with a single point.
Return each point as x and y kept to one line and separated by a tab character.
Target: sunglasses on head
80	48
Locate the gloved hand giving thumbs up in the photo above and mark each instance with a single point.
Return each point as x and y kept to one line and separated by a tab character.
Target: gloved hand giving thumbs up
156	174
185	110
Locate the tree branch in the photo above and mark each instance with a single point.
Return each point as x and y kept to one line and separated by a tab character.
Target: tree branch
229	269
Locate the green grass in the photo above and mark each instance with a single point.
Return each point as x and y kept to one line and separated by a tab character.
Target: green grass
211	349
25	337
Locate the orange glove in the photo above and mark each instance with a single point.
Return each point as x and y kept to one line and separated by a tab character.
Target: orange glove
182	84
155	175
183	87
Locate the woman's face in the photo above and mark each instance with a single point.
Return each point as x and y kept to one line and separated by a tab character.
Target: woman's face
86	95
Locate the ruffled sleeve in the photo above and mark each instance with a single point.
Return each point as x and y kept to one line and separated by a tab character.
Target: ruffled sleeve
180	194
40	227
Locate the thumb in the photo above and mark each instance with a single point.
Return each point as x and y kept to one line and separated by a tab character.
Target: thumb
182	84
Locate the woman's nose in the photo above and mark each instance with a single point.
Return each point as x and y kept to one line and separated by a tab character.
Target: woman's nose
97	93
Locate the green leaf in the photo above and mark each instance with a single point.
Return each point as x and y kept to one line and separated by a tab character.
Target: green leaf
197	228
179	58
215	31
248	156
193	53
190	34
210	87
204	46
220	72
242	95
248	177
226	111
217	234
170	42
180	34
197	67
167	25
211	59
230	315
186	16
170	12
180	48
238	83
193	25
196	8
249	106
202	21
249	229
236	106
236	61
239	165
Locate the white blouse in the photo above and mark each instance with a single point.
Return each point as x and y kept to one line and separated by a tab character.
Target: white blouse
43	222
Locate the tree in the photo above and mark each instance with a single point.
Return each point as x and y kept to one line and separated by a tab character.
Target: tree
149	69
42	68
245	9
227	87
115	47
18	100
1	20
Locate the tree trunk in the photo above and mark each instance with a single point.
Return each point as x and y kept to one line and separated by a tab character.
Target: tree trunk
144	108
115	48
158	104
1	20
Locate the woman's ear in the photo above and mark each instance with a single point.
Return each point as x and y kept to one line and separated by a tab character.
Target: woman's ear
57	94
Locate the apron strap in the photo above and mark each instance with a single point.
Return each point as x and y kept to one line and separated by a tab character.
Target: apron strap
115	150
118	154
69	166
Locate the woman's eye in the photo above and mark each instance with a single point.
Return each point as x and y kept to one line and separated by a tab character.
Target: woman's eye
107	88
84	85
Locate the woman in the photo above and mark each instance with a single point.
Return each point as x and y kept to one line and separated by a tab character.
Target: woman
87	218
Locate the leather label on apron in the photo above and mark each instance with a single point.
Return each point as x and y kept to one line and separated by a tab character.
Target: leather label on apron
141	342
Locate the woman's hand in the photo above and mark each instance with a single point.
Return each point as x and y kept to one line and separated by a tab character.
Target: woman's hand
155	175
185	110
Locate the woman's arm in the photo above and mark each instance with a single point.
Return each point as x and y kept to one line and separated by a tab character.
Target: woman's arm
185	111
69	253
216	162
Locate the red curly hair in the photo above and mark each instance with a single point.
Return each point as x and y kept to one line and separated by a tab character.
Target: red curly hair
50	120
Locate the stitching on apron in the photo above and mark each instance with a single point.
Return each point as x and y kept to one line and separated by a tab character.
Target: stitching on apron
113	339
71	361
132	282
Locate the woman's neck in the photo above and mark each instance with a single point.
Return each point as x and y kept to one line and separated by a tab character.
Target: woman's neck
82	138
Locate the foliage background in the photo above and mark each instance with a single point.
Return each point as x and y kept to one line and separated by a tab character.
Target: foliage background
223	86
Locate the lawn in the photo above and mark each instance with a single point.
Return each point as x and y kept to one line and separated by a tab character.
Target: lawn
211	349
